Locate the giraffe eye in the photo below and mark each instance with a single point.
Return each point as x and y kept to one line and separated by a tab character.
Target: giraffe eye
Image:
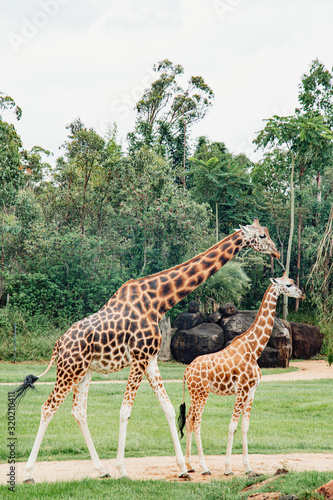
262	236
288	286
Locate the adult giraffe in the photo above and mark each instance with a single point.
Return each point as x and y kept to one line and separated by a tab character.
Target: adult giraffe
234	370
125	333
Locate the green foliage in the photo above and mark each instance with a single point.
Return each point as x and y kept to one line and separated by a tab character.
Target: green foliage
70	281
321	285
227	285
316	90
257	268
10	164
35	335
7	102
161	220
223	181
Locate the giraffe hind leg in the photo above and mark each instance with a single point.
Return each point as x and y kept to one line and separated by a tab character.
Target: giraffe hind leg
189	430
155	380
49	408
197	411
79	412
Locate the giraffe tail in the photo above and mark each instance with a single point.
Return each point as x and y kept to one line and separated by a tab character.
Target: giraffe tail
182	412
29	381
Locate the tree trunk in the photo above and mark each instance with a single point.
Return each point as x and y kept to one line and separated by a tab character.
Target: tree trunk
3	245
217	221
318	188
298	254
292	210
184	155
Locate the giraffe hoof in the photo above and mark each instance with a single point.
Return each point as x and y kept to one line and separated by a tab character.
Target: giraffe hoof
207	473
185	476
105	476
29	481
125	478
191	470
229	473
252	474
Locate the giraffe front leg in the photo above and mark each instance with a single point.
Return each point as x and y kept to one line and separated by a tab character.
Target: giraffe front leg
232	430
133	383
79	412
155	380
245	429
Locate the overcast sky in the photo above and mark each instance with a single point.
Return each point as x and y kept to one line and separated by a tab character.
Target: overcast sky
63	59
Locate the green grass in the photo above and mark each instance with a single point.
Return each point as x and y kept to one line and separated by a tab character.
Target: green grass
286	417
16	372
301	484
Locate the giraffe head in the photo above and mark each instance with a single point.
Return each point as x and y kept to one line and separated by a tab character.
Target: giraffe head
257	237
286	286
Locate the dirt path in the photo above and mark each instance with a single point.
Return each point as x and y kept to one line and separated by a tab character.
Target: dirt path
312	369
166	468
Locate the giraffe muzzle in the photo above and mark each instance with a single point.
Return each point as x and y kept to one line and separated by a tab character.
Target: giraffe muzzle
275	254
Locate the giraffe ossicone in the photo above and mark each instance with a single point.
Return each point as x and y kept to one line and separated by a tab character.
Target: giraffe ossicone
125	332
232	371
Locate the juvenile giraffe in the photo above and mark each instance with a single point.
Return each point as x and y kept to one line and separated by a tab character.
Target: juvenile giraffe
234	370
125	332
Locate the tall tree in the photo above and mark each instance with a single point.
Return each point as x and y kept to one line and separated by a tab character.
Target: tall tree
166	112
84	174
321	284
316	91
298	135
10	169
8	103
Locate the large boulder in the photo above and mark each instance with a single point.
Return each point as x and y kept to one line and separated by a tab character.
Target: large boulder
228	309
193	306
187	320
269	357
186	345
307	340
280	338
166	332
233	326
214	317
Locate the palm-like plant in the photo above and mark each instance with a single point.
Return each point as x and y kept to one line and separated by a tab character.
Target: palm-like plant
227	285
217	181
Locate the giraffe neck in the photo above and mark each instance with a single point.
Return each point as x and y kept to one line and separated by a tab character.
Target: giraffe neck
260	331
172	285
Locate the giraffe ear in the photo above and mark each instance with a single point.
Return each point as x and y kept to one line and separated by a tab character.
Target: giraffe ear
273	280
245	229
